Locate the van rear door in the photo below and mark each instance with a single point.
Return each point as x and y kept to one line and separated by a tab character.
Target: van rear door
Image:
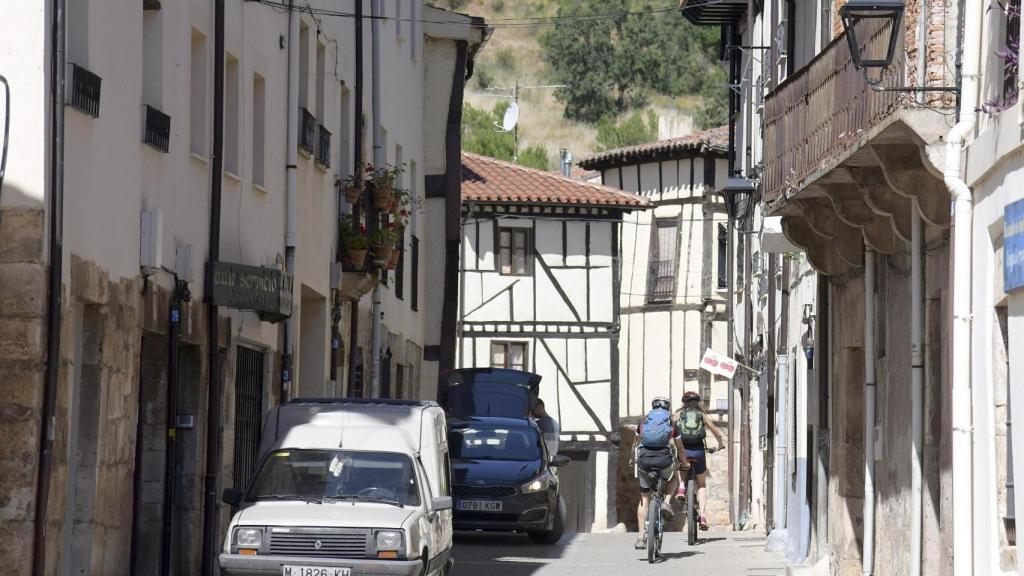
496	392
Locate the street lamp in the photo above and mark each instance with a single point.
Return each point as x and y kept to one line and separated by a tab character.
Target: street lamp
859	15
738	194
863	18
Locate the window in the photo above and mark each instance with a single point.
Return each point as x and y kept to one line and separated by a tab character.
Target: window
661	282
414	276
398	19
1010	64
508	355
197	87
413	40
152	58
248	412
321	64
259	128
303	65
723	248
400	272
514	251
231	105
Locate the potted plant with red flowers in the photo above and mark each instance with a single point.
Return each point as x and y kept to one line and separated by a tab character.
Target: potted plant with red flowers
382	243
382	181
355	241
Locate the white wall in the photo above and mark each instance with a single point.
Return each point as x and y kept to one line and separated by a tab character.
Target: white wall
659	342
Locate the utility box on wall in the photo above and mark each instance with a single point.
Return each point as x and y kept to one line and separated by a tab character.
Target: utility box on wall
150	241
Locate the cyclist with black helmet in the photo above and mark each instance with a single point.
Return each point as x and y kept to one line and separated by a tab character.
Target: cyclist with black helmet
691	428
656	447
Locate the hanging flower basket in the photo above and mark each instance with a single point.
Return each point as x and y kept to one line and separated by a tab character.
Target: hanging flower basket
352	194
357	258
396	255
381	198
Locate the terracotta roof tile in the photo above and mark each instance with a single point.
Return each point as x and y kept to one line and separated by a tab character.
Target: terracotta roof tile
489	180
713	141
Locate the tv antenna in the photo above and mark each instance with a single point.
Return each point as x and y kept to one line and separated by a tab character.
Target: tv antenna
510	122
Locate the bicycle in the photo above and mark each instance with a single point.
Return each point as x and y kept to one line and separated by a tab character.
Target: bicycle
692	506
655	523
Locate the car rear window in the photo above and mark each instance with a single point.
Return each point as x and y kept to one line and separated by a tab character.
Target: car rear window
476	442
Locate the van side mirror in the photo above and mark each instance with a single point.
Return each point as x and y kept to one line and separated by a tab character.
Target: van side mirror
441	503
558	461
232	497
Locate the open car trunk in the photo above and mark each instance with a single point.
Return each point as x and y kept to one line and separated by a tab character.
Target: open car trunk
498	392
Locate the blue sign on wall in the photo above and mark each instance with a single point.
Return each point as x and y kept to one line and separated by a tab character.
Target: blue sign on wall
1013	246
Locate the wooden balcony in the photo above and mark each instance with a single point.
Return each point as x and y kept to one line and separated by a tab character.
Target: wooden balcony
846	165
824	112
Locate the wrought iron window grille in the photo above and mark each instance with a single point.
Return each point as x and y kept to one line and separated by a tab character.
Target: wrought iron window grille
323	147
307	132
156	130
84	90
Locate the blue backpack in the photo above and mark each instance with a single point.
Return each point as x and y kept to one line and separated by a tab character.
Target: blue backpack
657	429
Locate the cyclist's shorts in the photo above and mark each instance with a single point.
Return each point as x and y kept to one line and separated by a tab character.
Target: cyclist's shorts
697	453
645	479
654	459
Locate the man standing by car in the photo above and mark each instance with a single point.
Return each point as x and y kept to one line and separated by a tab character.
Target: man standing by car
548	427
653	449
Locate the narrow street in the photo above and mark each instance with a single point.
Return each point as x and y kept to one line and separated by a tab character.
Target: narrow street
718	554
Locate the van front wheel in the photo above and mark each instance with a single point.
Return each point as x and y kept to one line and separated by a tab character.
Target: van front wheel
557	528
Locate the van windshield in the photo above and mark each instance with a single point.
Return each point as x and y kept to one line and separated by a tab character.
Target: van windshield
324	475
479	442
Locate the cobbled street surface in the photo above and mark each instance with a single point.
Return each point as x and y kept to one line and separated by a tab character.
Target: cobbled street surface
719	554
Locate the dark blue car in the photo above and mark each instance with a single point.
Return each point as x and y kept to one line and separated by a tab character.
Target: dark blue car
502	477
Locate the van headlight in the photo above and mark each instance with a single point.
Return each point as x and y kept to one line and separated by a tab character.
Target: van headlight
538	484
389	540
248	537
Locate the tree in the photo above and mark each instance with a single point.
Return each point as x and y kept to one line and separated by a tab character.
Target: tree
637	128
480	137
610	65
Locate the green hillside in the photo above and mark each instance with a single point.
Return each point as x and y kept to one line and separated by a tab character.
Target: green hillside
615	65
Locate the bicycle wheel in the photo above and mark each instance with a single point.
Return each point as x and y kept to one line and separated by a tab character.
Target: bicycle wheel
653	529
691	510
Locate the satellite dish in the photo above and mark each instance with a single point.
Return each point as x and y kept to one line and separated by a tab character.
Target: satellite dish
508	123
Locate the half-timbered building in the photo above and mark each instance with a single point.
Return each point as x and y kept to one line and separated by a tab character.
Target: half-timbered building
673	296
539	292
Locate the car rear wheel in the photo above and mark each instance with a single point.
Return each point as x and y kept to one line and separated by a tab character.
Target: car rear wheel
557	529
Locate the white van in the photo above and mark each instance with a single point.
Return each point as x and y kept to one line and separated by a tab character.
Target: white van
345	488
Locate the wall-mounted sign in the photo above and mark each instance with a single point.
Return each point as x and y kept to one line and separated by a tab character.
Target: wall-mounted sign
267	291
1013	246
719	364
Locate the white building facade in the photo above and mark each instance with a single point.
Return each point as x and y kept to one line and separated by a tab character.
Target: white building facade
126	410
538	293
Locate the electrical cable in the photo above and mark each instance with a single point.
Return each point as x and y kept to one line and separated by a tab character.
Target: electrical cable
523	22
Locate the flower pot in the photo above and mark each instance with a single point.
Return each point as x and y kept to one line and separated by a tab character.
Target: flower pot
382	254
396	255
352	194
381	198
357	258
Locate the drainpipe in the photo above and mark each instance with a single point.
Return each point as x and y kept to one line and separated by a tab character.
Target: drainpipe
869	412
917	387
211	532
357	163
53	320
960	270
378	160
291	187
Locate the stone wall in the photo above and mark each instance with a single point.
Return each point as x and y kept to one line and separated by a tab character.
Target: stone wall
628	494
22	366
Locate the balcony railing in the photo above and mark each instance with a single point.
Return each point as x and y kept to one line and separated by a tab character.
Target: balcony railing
816	117
323	147
84	90
661	285
157	129
307	132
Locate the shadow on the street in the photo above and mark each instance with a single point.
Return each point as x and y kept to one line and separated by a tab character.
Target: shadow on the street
665	557
703	541
504	554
